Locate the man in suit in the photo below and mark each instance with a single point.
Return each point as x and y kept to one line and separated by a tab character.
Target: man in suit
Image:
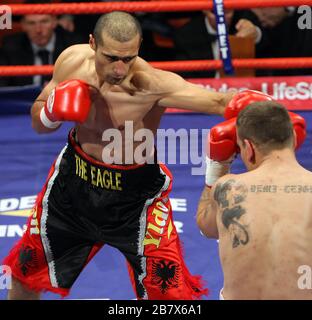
197	40
284	38
40	43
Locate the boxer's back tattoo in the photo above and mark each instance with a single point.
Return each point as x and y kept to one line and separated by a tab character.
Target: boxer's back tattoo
230	195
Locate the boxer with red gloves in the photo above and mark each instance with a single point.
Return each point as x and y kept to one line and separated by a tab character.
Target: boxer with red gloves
241	100
261	217
97	194
300	128
221	149
222	145
69	101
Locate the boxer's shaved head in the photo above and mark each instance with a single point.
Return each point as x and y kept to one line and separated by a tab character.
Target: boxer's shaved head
118	25
116	43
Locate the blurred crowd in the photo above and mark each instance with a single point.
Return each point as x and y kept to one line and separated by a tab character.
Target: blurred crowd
39	39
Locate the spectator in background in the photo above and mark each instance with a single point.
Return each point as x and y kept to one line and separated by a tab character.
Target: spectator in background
83	24
272	16
40	43
197	40
151	23
66	21
154	25
284	38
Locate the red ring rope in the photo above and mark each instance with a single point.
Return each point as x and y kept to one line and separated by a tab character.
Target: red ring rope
158	6
195	65
150	6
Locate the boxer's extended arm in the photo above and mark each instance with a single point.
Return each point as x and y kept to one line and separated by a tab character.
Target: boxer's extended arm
66	64
206	216
185	95
171	90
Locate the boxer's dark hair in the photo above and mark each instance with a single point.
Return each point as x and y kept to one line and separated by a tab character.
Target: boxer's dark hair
120	26
267	124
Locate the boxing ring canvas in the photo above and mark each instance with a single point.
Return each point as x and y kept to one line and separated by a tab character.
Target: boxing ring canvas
25	158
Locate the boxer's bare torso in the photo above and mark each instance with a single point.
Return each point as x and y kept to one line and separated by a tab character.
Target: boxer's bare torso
141	98
112	106
265	232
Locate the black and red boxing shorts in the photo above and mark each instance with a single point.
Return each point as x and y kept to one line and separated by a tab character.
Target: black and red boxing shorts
85	204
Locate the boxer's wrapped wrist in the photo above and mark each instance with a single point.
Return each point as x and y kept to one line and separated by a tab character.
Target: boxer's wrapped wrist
216	169
47	122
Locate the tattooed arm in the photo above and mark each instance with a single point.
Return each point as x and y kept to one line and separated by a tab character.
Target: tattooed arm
226	198
206	214
230	195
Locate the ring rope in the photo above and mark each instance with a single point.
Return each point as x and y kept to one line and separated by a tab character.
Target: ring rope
191	65
150	6
158	6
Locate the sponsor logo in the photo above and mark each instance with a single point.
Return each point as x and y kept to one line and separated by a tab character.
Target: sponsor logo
156	227
18	207
12	230
282	91
279	90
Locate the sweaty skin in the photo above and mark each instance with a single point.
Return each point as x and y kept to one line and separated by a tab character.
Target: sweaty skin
141	97
263	219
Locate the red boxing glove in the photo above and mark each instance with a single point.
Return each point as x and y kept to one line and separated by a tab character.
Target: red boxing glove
68	101
299	125
221	144
241	100
221	148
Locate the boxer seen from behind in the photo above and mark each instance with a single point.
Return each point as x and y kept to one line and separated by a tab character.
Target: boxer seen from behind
262	218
